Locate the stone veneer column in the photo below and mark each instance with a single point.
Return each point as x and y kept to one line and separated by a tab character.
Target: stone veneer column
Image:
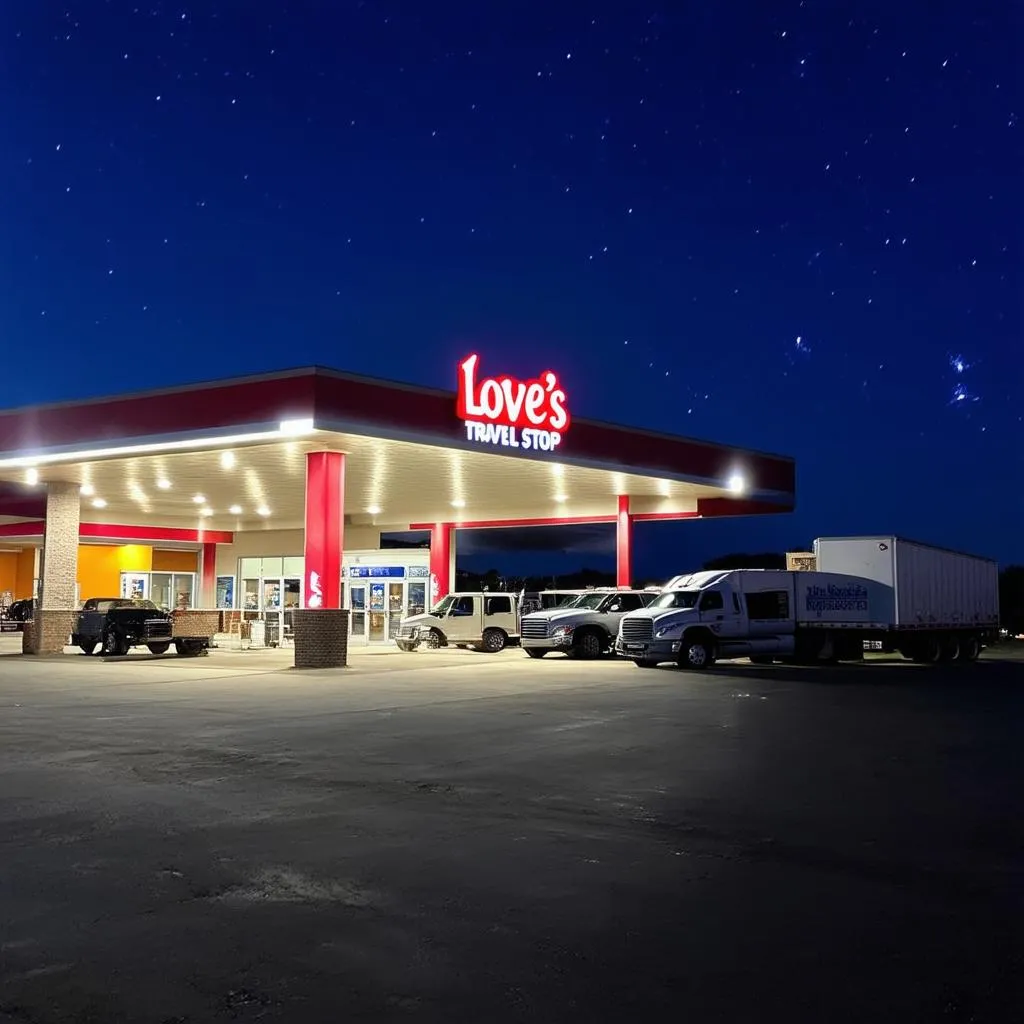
321	637
58	571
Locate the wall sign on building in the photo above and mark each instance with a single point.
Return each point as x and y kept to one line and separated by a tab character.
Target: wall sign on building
530	415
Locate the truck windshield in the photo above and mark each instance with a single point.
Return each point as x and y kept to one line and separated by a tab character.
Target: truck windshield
676	599
442	606
591	601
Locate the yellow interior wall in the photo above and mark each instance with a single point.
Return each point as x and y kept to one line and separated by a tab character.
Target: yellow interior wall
9	571
100	567
175	561
25	574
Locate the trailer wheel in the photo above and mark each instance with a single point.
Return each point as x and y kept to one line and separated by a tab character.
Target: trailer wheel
951	648
927	650
970	648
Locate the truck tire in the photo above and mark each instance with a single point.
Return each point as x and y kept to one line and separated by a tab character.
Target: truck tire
644	663
407	645
697	652
535	652
88	648
951	648
762	659
114	645
493	641
927	650
435	639
970	648
159	648
588	645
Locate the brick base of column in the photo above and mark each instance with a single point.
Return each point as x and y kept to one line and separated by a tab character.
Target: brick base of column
48	632
321	637
195	622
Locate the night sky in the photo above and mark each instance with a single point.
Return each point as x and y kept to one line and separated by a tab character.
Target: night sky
793	226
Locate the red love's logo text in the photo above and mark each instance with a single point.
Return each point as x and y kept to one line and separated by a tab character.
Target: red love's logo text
538	404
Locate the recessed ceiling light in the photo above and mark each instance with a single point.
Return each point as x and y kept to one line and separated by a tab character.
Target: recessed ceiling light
87	489
263	511
164	485
198	499
32	476
560	497
374	510
227	460
99	503
235	510
206	511
557	469
458	503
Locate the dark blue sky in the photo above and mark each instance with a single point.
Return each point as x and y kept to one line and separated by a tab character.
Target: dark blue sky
793	226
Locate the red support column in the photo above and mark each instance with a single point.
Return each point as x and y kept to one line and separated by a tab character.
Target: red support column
208	580
440	561
325	526
624	544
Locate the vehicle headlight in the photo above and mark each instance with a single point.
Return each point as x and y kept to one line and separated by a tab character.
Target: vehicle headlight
667	631
562	631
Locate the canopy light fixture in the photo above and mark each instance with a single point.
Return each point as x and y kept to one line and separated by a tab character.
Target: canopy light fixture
736	484
285	428
263	511
374	510
235	510
227	460
163	484
99	503
199	499
458	503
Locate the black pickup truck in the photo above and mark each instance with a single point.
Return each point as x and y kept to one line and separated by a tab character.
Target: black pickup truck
118	623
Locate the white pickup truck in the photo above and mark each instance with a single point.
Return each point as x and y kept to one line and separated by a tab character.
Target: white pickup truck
585	627
928	604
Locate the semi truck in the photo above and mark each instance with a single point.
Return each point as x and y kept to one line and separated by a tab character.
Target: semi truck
926	603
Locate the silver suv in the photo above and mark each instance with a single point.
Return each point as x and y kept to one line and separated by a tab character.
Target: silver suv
584	628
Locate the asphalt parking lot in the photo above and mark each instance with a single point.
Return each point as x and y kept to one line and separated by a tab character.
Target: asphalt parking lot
456	837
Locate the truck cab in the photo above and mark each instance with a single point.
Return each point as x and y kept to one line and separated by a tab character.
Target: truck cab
707	616
585	627
485	621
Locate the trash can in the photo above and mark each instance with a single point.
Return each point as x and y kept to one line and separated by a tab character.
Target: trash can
258	634
272	633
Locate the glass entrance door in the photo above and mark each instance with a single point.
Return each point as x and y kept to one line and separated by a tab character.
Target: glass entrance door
376	626
292	589
357	605
396	607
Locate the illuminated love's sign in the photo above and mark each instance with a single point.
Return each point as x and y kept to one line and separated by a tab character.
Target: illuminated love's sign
512	413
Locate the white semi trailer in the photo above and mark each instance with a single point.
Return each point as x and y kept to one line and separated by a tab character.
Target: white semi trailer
927	603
